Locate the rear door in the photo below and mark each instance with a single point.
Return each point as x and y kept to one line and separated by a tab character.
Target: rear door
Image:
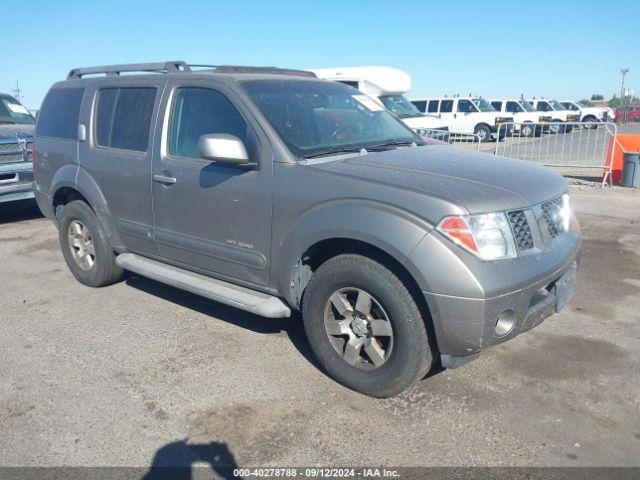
465	116
211	217
446	113
118	155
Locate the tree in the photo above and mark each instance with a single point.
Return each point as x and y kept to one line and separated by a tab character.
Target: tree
587	103
597	96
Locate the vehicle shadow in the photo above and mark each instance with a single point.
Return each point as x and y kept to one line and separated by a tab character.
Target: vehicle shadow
292	326
179	460
19	211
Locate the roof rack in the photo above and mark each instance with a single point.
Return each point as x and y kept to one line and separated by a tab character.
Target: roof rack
113	70
180	66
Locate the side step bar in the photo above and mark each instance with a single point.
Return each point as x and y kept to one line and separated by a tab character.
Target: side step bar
218	290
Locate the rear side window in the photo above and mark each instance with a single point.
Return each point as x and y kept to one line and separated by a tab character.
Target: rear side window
433	106
513	107
123	118
446	106
59	114
420	105
544	107
199	111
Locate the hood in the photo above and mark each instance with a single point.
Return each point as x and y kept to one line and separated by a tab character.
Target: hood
478	182
13	131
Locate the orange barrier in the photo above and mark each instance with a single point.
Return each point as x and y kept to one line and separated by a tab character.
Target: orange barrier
621	143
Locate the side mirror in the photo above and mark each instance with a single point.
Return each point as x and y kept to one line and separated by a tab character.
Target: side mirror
223	148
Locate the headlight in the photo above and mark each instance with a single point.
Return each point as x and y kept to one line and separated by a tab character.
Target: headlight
486	235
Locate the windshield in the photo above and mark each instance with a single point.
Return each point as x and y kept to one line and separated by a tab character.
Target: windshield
12	112
527	106
483	105
557	105
320	118
399	105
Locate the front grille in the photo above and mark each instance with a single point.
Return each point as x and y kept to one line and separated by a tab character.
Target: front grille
551	215
14	152
10	148
521	230
11	158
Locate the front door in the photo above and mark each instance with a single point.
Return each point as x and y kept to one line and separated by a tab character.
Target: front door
209	216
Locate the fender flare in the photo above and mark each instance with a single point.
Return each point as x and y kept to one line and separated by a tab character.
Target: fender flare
383	226
76	177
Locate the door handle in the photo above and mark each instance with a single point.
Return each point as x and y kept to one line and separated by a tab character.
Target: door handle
163	179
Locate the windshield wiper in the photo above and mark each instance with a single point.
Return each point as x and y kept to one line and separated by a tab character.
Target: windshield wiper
335	151
392	143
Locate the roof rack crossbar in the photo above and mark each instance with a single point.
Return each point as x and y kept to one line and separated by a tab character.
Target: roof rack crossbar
113	70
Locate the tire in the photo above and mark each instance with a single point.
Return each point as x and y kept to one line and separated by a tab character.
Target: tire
590	118
527	129
84	245
484	132
403	350
557	128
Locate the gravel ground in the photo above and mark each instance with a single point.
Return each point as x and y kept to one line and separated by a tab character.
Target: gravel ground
139	373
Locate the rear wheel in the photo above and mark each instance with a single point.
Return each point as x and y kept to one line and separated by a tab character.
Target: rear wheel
85	247
593	122
557	126
365	327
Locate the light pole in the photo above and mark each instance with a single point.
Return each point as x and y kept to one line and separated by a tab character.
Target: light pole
624	72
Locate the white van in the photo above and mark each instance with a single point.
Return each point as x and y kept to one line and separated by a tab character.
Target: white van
558	112
387	87
466	115
590	114
523	113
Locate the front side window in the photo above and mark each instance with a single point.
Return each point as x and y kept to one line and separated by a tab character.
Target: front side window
570	106
527	106
544	107
11	111
497	105
399	105
483	105
421	105
557	105
200	111
446	106
433	106
59	114
513	107
321	118
123	118
465	106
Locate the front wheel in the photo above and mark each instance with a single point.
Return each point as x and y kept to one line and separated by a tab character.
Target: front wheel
527	130
364	326
483	132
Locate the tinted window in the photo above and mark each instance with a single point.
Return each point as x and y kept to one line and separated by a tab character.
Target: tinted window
513	107
544	107
466	106
433	106
198	111
446	106
497	105
420	105
350	83
59	114
104	115
123	118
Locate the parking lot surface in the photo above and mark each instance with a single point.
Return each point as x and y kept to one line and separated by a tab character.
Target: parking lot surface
141	374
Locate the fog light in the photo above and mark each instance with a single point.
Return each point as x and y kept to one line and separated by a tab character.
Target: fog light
506	321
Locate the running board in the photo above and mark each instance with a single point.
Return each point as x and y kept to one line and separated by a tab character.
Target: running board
218	290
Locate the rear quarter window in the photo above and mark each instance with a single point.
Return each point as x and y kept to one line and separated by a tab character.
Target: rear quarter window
59	114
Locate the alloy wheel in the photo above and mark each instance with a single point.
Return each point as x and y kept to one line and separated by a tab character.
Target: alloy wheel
81	245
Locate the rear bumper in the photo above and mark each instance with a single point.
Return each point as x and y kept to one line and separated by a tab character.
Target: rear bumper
468	325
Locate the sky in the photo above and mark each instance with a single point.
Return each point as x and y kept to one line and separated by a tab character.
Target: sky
563	49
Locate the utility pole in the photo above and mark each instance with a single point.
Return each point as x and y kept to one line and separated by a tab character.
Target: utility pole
624	72
17	91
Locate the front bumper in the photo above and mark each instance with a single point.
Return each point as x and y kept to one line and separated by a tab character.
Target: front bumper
468	325
16	184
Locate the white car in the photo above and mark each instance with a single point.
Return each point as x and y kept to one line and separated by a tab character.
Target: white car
559	113
466	115
590	114
386	86
523	114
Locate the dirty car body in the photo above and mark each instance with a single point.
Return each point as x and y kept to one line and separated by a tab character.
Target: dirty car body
486	247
